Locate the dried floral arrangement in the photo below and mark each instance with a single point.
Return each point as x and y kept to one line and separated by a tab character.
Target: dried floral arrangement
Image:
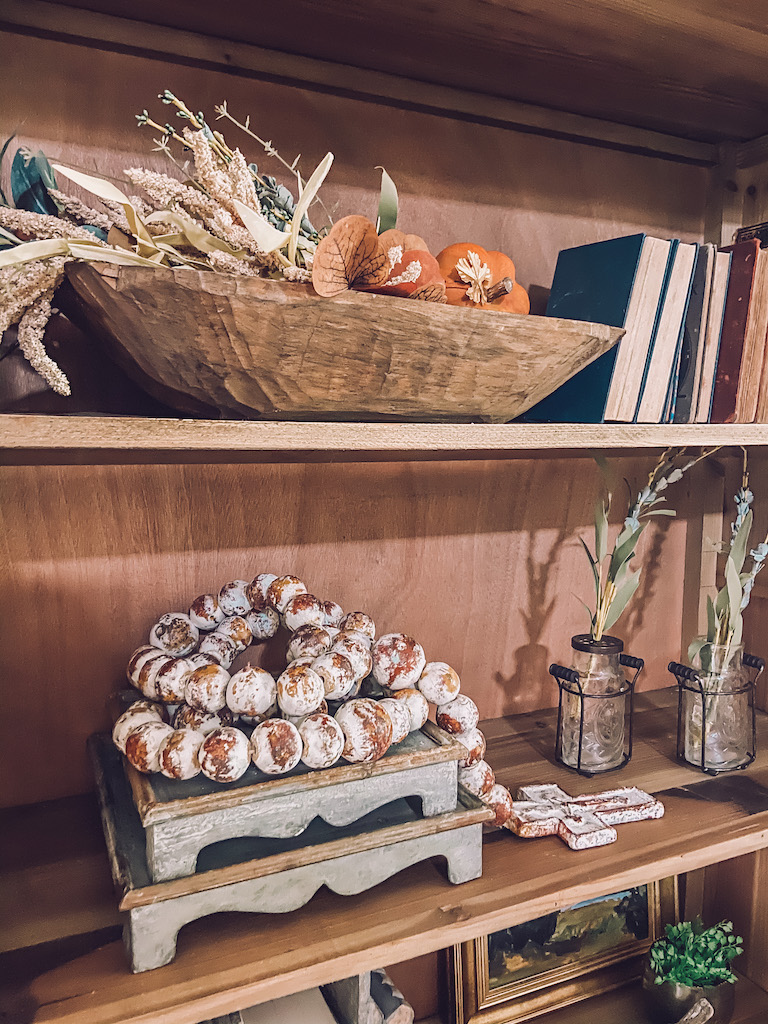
615	583
226	217
725	614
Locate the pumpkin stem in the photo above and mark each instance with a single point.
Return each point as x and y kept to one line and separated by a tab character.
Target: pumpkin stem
502	287
477	275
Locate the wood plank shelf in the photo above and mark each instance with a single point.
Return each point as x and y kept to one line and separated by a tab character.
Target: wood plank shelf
122	439
230	961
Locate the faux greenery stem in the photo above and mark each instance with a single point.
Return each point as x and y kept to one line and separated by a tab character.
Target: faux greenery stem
615	584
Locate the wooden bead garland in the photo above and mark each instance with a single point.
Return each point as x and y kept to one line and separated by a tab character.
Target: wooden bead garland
330	654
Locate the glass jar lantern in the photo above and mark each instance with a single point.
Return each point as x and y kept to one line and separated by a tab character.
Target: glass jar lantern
594	714
716	708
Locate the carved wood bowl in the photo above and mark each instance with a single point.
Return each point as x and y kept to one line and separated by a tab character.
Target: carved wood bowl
211	344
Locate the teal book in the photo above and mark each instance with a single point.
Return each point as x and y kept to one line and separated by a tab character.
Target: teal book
616	282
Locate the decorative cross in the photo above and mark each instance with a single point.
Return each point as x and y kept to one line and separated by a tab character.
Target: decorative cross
582	822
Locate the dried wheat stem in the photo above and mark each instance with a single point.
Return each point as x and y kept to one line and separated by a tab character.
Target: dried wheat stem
31	331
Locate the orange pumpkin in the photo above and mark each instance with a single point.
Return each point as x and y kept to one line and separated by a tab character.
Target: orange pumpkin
470	271
415	274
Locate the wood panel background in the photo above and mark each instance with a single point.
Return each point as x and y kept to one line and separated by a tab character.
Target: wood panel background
480	561
527	195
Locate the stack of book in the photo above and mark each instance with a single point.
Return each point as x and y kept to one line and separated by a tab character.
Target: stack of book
696	332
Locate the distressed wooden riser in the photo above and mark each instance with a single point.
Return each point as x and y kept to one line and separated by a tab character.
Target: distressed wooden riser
274	875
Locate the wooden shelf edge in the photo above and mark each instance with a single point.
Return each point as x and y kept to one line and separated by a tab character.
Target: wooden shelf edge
36	438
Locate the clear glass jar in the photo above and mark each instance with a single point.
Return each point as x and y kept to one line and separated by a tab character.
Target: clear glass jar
718	704
593	710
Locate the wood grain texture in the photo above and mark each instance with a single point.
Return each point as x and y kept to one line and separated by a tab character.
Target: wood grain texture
525	195
119	439
229	962
277	350
735	891
633	64
478	560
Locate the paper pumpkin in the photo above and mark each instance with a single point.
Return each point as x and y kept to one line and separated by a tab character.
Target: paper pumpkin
480	277
415	274
349	256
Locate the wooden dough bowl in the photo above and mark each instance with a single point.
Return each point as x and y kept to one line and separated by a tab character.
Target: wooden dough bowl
211	344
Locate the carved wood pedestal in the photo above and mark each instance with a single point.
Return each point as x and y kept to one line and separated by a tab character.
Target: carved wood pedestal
279	873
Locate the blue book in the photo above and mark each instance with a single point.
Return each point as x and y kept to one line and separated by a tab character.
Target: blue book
617	282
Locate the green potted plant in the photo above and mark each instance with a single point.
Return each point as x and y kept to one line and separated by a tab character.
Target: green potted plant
690	963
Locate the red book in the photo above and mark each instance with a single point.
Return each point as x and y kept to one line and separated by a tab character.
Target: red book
740	281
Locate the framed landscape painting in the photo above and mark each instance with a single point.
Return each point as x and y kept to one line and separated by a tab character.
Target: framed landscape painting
571	954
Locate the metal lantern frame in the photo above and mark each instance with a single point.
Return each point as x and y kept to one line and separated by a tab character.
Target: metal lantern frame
568	680
688	679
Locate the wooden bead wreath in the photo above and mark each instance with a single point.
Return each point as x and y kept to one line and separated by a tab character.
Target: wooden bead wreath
183	677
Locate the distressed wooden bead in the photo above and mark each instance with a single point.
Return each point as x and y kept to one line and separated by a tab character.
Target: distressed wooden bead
401	718
137	659
170	680
358	622
332	613
281	590
237	630
262	622
356	651
144	671
478	778
303	610
367	730
355	634
308	641
187	717
500	800
225	754
207	688
142	746
439	683
321	709
197	660
322	739
474	741
272	712
219	647
251	692
299	690
276	746
136	715
179	754
458	715
233	599
256	591
175	634
417	704
335	670
398	661
205	612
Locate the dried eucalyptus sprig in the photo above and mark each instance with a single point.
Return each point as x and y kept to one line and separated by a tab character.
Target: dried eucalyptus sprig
615	584
725	623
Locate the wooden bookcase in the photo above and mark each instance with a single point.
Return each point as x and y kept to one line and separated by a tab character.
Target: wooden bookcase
460	533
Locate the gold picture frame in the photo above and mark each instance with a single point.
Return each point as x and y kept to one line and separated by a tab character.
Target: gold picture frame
519	987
